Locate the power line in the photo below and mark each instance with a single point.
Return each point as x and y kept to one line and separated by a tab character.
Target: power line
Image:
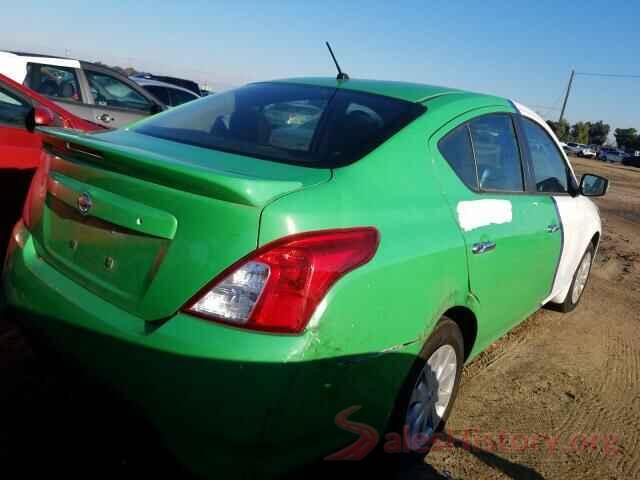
589	74
610	75
558	100
543	107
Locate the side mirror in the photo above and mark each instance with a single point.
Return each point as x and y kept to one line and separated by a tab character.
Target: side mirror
593	185
39	116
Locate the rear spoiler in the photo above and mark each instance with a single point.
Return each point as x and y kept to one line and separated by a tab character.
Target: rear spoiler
157	168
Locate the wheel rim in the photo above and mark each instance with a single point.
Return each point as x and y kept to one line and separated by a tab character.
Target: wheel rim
581	278
431	394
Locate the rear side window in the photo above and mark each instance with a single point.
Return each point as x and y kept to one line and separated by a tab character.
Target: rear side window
13	110
299	124
549	168
60	83
456	149
497	154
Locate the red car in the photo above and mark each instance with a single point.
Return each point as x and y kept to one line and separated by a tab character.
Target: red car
20	146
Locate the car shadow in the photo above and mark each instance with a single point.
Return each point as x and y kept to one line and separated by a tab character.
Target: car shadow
507	467
56	419
407	465
14	185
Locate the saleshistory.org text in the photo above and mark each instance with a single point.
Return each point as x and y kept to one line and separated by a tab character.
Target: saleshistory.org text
470	439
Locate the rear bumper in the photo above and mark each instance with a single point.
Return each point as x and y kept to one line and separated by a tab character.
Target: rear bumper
221	398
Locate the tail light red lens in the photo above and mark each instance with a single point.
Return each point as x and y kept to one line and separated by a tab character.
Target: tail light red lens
34	202
278	287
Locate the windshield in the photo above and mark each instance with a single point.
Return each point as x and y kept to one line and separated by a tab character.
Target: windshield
300	124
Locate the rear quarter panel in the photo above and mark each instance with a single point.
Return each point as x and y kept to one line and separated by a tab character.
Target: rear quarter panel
420	267
366	333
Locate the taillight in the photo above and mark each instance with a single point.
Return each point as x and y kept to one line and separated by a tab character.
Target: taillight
34	202
278	287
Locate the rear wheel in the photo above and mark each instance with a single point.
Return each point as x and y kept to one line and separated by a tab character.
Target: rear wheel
426	399
580	280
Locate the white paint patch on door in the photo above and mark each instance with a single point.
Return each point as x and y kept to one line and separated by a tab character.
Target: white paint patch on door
481	213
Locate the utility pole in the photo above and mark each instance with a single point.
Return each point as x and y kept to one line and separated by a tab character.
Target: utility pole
566	96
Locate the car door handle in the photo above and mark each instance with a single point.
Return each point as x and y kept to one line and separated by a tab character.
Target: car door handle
483	247
105	117
553	228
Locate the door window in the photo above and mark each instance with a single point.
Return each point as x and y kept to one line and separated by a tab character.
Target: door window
13	110
160	93
496	153
549	168
55	82
457	151
178	97
110	92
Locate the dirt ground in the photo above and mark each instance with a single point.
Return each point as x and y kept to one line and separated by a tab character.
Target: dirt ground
559	397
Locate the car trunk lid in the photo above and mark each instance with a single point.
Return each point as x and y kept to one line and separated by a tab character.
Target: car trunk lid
144	223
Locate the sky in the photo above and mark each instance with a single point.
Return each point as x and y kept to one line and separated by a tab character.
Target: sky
523	50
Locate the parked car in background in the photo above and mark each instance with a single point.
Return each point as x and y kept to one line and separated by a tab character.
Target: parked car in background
179	82
579	149
573	148
245	292
20	147
88	90
632	160
586	151
609	154
169	94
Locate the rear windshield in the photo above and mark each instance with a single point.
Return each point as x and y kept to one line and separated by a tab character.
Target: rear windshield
299	124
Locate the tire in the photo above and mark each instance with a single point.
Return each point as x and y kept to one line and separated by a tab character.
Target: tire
446	339
578	286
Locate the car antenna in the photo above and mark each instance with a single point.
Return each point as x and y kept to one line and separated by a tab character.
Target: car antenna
341	75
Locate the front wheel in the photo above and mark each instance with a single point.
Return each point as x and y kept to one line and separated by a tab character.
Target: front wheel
579	283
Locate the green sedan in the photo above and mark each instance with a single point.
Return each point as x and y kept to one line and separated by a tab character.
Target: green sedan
250	266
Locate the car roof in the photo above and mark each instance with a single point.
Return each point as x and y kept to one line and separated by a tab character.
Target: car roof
156	83
411	92
40	55
14	65
18	61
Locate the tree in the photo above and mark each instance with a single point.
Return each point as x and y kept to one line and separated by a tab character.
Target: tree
598	133
626	137
561	129
580	132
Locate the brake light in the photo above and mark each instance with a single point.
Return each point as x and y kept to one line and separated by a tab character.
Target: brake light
278	287
34	202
